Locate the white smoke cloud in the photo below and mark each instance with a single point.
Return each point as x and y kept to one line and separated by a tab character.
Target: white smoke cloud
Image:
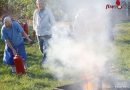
85	48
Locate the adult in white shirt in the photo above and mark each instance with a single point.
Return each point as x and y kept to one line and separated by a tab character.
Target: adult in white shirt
43	20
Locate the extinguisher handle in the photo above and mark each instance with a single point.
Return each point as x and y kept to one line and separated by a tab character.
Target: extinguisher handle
17	54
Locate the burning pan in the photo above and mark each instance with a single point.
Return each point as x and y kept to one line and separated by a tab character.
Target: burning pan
116	85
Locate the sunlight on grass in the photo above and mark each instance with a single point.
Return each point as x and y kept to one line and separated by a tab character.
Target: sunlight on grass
36	77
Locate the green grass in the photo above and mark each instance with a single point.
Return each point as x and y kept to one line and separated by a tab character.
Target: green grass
122	43
38	78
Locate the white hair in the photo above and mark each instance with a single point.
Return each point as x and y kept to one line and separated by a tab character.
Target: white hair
7	19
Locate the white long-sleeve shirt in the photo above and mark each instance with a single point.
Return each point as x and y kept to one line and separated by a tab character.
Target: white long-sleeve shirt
43	21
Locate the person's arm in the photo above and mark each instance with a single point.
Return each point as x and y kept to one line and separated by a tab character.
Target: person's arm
10	46
26	36
20	29
4	37
52	18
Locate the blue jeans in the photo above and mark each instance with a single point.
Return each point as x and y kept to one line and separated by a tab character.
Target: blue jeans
43	45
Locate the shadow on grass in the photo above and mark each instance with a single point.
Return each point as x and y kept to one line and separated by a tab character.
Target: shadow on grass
125	21
37	86
12	81
41	75
123	41
35	61
1	52
41	85
1	57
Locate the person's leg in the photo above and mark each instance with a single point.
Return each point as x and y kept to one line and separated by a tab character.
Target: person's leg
44	57
8	58
45	47
13	68
40	42
42	47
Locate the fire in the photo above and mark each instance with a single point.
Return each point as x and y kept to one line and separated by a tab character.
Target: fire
91	79
96	85
89	86
91	83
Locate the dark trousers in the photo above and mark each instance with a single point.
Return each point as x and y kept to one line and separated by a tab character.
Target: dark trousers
43	45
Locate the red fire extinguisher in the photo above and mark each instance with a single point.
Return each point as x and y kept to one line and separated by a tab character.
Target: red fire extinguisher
18	62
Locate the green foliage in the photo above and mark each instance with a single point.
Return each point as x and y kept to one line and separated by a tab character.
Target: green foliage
1	46
18	7
3	5
22	7
26	7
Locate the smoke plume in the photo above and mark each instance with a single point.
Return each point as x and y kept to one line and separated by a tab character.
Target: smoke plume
82	47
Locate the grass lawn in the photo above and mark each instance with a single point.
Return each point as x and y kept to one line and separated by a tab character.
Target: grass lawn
36	78
41	79
122	43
